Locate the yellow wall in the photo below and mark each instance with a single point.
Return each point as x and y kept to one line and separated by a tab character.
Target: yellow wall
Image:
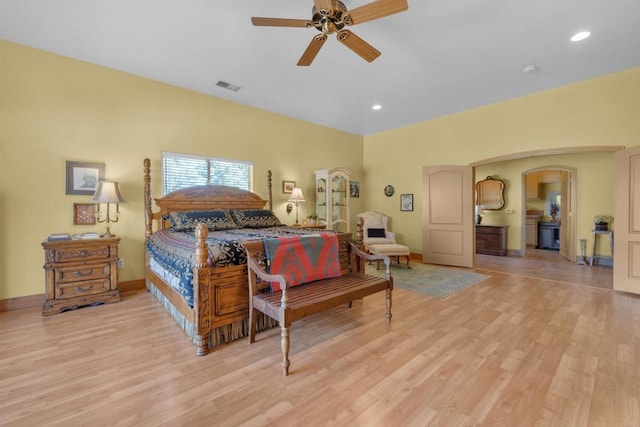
596	112
54	109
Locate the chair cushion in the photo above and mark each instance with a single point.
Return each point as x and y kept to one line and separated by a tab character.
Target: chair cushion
375	232
389	249
379	241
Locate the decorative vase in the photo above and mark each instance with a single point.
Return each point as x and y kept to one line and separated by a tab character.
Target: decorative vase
478	219
602	226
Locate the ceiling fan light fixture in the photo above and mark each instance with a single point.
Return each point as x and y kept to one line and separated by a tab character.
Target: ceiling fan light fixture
580	36
330	17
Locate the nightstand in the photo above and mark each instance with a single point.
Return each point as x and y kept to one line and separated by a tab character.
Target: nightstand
79	273
316	226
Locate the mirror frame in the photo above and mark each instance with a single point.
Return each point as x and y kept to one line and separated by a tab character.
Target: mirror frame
490	194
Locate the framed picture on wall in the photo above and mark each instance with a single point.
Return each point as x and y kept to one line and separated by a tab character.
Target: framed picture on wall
83	177
354	189
406	202
84	214
287	186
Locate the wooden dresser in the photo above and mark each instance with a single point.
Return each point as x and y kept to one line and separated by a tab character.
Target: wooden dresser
491	239
79	273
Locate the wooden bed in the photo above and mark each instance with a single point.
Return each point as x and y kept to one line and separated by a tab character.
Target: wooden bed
220	295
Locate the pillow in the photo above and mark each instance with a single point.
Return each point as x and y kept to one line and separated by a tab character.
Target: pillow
375	232
218	219
254	218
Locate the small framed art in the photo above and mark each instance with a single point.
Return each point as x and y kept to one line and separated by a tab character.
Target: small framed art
354	189
83	177
288	186
84	214
406	202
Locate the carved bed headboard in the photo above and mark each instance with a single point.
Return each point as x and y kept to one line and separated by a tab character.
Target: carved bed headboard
200	197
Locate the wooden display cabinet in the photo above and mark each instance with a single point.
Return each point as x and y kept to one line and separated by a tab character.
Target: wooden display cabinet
332	198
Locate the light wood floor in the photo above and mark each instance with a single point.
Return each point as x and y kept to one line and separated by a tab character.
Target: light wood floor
548	264
510	351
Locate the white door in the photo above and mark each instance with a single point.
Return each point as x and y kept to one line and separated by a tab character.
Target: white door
448	231
626	221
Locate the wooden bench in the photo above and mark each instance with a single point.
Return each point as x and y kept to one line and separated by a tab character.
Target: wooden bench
294	303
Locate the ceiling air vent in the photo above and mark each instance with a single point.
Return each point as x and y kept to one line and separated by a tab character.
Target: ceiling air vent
228	86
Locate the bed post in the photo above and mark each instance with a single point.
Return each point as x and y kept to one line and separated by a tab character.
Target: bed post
357	263
202	302
202	250
359	233
147	199
269	191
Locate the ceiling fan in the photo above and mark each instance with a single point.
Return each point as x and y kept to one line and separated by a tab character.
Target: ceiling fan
331	16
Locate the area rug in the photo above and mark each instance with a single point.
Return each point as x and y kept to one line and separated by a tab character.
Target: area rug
436	281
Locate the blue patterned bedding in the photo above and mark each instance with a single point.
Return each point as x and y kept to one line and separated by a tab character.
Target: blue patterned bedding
173	251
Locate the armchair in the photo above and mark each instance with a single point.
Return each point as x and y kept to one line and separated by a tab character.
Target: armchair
374	229
377	239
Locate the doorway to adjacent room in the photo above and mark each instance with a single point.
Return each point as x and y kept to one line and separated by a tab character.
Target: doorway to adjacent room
549	210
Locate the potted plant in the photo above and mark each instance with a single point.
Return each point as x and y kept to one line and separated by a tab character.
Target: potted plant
554	209
313	218
602	222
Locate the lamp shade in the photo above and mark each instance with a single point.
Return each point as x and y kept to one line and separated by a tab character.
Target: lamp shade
296	196
108	192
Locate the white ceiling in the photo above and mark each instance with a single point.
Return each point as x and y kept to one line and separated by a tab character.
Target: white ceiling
439	57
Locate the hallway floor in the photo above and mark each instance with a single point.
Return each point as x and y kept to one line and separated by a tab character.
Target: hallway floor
546	264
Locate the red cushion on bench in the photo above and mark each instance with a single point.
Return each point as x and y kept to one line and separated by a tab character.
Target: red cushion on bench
303	259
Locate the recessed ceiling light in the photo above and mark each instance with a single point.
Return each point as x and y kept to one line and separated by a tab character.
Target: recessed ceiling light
530	69
377	107
580	36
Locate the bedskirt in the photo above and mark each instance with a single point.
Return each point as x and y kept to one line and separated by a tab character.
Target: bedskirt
218	336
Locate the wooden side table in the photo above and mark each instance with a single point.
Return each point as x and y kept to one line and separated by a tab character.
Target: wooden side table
491	239
597	233
79	273
316	226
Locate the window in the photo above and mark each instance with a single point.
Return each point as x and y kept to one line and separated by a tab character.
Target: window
183	170
553	203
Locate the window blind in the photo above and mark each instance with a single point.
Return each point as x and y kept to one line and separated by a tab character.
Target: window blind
183	170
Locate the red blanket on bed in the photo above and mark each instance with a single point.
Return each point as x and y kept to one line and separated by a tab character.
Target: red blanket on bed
303	259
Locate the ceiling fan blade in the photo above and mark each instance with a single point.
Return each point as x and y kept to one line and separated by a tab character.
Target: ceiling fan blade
359	46
375	10
281	22
323	4
312	50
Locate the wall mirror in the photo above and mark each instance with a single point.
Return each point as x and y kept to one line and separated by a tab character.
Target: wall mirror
490	194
